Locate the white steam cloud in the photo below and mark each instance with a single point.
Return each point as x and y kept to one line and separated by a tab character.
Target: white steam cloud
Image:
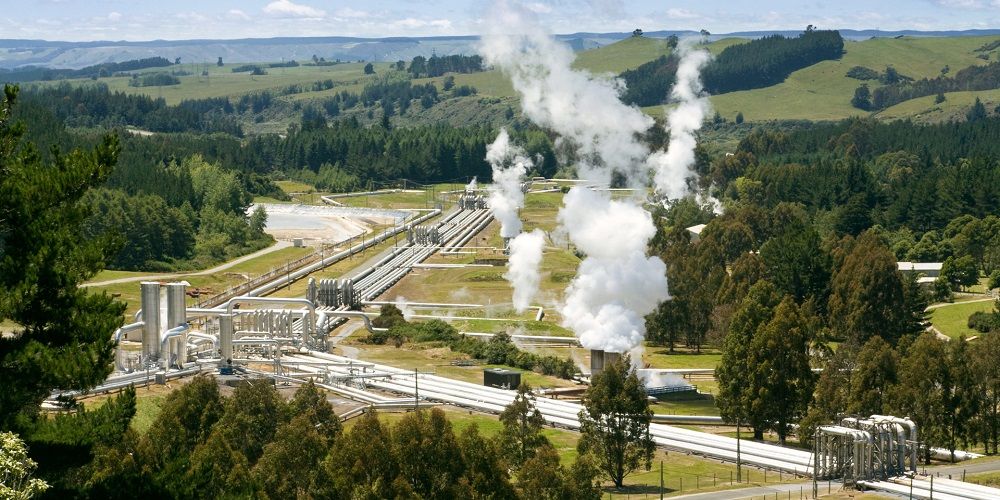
617	285
471	186
509	163
522	271
673	167
404	307
585	111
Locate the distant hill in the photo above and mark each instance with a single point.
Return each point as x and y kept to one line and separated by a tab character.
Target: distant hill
75	55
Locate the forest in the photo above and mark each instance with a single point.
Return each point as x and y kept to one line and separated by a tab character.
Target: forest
985	77
33	73
755	64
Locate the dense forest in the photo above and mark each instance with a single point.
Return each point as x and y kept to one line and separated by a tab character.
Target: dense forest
769	60
755	64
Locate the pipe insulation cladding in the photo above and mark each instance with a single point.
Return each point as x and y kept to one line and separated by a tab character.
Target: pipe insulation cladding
150	302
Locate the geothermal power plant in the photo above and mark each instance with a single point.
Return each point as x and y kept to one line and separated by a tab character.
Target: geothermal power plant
287	339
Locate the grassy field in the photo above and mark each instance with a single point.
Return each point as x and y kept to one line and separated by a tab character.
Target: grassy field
823	92
129	292
952	320
955	106
221	81
620	56
985	479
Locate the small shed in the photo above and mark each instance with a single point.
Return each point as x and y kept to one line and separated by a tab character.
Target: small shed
501	378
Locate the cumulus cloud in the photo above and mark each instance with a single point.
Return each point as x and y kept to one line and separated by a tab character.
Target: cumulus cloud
286	8
114	16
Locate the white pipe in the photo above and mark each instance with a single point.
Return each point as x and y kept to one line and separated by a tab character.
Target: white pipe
174	332
119	333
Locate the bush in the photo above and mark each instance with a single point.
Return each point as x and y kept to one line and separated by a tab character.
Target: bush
984	322
862	73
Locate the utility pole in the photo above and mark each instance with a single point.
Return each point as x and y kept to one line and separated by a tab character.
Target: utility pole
416	389
661	479
738	470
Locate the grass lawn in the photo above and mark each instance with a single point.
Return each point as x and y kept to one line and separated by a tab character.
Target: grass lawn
985	479
660	357
129	292
952	320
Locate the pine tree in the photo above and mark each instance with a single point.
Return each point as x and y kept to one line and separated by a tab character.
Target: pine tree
63	333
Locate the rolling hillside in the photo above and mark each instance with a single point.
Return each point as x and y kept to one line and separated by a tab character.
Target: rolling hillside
823	92
819	92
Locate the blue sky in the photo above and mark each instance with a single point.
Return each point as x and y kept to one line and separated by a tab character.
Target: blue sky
76	20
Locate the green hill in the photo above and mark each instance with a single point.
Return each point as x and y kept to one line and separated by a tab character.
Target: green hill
823	91
620	56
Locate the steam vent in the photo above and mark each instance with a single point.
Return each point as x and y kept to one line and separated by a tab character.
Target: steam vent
599	359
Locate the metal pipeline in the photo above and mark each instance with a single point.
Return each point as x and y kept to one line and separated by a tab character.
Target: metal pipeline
172	333
119	333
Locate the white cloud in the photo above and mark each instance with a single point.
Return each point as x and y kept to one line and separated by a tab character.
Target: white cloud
538	8
237	15
681	14
350	13
114	16
285	8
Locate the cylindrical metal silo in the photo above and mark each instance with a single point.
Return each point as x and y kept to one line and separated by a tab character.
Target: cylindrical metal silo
150	301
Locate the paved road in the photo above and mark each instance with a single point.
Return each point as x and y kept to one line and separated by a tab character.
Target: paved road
221	267
783	491
974	467
958	303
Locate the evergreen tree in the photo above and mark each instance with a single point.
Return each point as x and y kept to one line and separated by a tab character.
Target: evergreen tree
862	98
485	475
986	374
977	112
614	422
430	460
923	373
781	380
63	333
735	398
867	297
875	374
521	435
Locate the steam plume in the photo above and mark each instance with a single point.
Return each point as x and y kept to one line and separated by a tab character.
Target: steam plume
584	111
522	272
404	307
617	285
509	163
673	167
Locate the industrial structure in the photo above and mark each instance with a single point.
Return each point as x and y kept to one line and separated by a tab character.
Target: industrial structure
249	331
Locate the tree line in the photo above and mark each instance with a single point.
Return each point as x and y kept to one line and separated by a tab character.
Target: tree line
434	66
755	64
32	73
254	443
985	77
